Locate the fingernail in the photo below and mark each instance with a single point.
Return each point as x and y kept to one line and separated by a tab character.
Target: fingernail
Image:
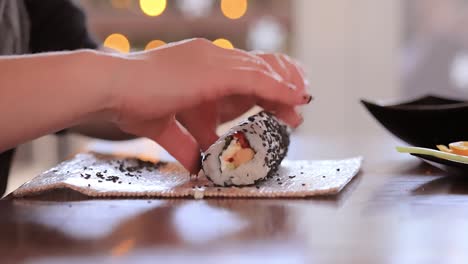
308	98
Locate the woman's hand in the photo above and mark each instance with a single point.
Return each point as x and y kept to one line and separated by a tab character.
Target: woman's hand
142	93
197	81
203	120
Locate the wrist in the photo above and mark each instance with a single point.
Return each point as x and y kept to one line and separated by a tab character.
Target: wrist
104	74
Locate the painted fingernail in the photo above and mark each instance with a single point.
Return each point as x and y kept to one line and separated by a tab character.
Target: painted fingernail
308	98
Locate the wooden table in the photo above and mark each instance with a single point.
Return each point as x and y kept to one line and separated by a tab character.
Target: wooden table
397	210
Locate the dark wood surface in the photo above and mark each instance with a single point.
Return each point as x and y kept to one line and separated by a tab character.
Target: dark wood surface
397	210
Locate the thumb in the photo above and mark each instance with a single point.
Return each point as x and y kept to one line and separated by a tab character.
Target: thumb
176	140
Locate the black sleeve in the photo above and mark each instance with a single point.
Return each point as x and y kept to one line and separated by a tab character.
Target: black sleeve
57	25
5	164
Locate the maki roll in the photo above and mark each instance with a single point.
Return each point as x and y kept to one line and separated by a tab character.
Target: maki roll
247	153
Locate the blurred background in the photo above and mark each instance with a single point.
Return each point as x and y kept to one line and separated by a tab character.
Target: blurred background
388	50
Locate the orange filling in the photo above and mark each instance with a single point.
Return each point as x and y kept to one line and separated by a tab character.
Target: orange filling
237	153
459	148
242	156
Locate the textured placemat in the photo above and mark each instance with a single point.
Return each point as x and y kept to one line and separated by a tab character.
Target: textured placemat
103	176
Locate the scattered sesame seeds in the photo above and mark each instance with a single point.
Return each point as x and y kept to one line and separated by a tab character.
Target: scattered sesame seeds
112	178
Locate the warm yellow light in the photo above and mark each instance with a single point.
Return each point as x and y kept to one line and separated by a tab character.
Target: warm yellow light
117	42
223	43
122	4
154	44
234	9
153	7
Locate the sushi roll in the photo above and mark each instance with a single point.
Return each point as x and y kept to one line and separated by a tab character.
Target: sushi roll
247	153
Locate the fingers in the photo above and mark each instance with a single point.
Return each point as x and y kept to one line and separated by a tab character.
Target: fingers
234	106
296	69
238	72
287	68
201	121
287	114
181	145
262	85
281	68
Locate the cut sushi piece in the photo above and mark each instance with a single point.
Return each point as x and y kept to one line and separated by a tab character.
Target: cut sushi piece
248	153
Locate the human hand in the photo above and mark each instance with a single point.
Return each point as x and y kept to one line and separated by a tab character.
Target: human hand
203	120
152	87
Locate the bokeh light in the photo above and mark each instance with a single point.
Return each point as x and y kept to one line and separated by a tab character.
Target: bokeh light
121	4
153	7
223	43
154	44
267	34
117	42
459	71
234	9
195	8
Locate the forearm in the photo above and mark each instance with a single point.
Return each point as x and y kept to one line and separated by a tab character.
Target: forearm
42	94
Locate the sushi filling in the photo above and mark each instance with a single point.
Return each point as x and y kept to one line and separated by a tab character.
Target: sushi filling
238	152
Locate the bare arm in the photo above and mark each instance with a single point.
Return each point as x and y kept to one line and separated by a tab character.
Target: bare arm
140	93
41	94
101	129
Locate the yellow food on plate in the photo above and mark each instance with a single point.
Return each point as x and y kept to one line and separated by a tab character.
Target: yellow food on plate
459	148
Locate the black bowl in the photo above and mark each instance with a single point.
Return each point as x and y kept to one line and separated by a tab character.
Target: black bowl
454	168
425	122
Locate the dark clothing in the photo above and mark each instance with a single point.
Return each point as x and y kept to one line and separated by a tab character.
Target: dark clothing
57	25
33	26
5	163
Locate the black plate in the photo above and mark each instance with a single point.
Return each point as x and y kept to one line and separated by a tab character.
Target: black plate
425	122
453	167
